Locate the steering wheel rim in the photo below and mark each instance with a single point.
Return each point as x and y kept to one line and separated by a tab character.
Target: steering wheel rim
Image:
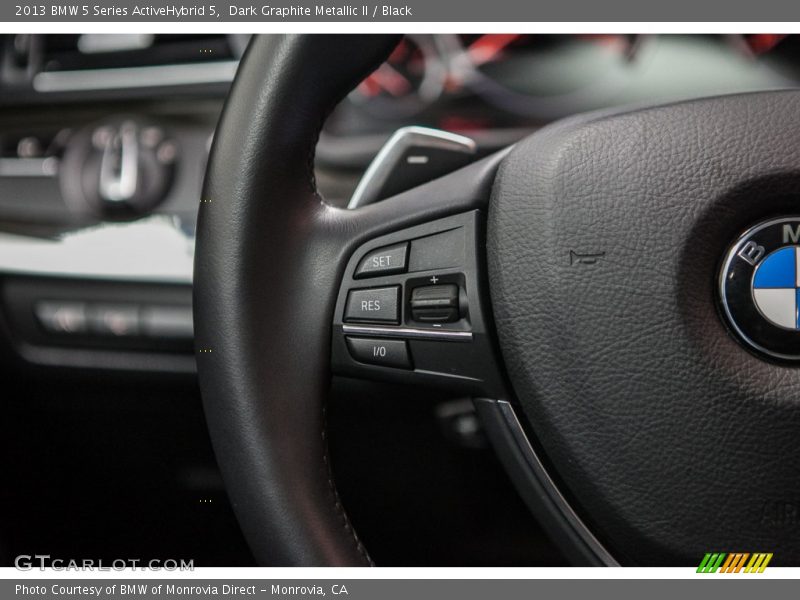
275	264
257	225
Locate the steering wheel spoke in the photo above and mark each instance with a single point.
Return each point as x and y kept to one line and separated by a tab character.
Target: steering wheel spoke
413	303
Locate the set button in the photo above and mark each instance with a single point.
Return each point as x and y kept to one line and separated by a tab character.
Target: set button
383	261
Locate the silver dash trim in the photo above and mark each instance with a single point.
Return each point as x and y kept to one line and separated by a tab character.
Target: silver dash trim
135	77
409	333
153	249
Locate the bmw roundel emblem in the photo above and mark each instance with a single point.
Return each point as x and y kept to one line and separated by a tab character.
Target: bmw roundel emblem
760	287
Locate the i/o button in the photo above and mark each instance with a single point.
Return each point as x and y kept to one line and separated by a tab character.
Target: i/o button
385	353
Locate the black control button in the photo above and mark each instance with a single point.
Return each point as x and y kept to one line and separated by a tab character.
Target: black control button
114	320
378	305
440	251
383	261
172	322
63	317
386	353
435	303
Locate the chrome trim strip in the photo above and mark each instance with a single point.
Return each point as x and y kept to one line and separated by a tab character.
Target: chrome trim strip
538	483
135	77
29	167
408	333
580	527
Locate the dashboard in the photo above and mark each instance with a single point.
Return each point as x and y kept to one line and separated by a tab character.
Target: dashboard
104	140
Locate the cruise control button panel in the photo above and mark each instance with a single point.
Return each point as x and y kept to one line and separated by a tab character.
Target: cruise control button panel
409	309
374	305
376	351
383	261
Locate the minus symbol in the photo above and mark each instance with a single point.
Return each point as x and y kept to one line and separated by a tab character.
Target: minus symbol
417	160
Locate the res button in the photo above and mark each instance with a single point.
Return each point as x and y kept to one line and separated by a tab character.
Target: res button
385	353
384	261
375	305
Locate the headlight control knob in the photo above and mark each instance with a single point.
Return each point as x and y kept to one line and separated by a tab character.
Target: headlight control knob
119	168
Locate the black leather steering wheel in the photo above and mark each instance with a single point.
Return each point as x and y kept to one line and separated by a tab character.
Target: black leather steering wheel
586	260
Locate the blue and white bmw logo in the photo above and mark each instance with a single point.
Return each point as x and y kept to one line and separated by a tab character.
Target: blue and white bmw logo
775	287
760	287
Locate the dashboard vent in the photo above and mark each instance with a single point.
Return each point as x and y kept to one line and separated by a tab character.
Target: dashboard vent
99	51
73	63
